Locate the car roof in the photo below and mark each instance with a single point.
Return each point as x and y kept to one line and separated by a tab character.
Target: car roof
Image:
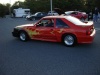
72	11
71	19
60	16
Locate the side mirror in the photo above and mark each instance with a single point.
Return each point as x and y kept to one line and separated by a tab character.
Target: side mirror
39	24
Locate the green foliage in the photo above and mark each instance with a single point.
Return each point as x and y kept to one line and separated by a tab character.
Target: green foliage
18	4
36	6
44	5
2	10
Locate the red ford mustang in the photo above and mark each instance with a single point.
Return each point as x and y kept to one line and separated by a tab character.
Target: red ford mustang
66	29
80	15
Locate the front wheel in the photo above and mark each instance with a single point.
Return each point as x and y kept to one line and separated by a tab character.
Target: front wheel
69	40
23	36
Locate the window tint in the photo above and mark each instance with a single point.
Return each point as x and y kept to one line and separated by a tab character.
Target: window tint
60	23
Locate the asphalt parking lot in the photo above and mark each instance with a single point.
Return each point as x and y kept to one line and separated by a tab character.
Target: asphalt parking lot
45	58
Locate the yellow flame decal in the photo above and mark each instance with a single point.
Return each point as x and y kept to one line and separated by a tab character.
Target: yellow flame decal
61	30
52	32
31	32
35	33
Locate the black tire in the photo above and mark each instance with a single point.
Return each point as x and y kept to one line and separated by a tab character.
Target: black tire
33	19
23	36
29	19
69	40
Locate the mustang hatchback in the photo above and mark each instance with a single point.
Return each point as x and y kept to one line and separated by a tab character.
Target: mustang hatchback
66	29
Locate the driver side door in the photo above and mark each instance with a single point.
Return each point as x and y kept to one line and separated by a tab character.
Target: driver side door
44	31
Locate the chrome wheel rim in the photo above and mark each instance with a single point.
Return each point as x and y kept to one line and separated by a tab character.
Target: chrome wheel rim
69	40
22	36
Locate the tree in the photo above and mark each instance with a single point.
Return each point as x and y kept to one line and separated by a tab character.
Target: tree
8	6
30	4
18	4
37	5
2	10
65	5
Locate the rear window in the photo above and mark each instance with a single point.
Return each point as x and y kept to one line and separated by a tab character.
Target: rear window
75	20
78	22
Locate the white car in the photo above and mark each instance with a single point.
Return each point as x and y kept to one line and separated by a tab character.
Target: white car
52	13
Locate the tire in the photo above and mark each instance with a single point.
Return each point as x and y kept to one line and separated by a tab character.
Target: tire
69	40
33	19
23	36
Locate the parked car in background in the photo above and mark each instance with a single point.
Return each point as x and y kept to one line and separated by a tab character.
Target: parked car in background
80	15
36	16
66	29
52	13
24	16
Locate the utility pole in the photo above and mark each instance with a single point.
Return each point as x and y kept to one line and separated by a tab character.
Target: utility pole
51	6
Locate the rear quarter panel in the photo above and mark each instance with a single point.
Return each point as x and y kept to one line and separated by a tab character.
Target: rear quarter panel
72	29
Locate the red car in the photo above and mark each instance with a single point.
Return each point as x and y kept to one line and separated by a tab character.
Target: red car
66	29
80	15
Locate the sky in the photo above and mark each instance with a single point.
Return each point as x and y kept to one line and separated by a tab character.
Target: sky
9	1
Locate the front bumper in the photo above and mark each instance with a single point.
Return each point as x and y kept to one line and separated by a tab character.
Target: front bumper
15	33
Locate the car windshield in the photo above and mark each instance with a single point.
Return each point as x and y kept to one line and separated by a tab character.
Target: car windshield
68	12
36	13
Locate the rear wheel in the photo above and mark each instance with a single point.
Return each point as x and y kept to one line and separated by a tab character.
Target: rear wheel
23	36
69	40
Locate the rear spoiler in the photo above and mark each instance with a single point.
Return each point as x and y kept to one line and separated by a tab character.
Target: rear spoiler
89	23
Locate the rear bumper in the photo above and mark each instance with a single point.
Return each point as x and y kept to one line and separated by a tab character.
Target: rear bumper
87	39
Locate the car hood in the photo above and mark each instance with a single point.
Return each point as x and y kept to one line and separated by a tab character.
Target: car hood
25	25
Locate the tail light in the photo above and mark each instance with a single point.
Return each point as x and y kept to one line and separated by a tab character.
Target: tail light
89	31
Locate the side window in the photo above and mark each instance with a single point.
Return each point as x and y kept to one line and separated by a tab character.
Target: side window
46	23
39	14
50	23
42	23
60	23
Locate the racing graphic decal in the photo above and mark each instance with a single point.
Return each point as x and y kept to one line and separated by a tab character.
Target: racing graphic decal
52	32
60	31
31	32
